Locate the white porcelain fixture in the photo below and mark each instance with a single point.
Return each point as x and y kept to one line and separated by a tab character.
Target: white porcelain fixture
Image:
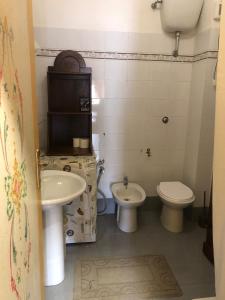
57	188
128	198
175	196
180	15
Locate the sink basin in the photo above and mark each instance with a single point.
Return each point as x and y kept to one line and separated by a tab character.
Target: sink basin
59	187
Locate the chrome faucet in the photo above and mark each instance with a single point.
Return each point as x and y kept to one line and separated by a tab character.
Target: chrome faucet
125	181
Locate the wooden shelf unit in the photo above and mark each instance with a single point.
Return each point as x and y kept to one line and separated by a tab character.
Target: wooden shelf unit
69	104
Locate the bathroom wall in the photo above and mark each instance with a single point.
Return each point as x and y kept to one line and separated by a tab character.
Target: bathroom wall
129	100
199	148
208	30
128	15
136	82
125	26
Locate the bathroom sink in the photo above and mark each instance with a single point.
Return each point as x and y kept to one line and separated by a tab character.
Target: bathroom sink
59	187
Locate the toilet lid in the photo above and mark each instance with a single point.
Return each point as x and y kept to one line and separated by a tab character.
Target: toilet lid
176	191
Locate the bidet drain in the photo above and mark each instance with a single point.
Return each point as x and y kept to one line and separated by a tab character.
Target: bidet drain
126	199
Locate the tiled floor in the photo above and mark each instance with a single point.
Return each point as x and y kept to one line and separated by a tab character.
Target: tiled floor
182	251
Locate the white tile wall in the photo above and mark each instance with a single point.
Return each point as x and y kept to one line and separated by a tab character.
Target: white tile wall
159	71
118	106
98	68
91	40
180	72
138	70
199	147
116	41
116	69
207	40
98	89
129	100
155	43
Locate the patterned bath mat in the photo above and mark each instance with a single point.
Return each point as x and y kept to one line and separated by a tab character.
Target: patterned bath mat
127	278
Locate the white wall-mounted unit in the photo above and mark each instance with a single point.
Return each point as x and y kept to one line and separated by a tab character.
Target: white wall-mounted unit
180	15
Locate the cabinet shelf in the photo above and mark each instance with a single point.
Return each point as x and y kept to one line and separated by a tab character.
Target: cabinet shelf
69	104
69	113
69	151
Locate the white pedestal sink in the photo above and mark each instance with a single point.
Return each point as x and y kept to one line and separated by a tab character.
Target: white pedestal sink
57	188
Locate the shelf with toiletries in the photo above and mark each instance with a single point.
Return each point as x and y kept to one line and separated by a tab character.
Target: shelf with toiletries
69	151
69	105
63	128
70	113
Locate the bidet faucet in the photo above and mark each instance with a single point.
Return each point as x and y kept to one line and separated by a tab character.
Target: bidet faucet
125	181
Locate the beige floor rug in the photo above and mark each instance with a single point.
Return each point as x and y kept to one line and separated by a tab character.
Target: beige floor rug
127	278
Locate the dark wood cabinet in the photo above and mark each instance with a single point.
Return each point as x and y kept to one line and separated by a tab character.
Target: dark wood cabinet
208	244
69	104
65	91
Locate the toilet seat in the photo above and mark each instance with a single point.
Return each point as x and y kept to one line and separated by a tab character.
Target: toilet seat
175	197
175	192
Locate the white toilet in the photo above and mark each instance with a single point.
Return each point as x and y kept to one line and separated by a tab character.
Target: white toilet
128	197
175	196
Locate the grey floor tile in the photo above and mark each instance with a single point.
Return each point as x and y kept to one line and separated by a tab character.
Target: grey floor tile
183	252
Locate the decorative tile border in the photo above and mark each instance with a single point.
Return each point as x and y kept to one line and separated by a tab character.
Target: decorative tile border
205	55
133	56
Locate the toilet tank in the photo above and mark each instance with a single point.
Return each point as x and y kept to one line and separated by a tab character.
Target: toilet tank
180	15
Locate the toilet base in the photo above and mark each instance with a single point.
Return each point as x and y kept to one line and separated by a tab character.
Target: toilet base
127	219
172	218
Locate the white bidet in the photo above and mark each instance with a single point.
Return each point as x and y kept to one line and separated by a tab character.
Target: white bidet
128	198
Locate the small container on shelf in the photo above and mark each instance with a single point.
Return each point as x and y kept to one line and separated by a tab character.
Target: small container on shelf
76	142
84	143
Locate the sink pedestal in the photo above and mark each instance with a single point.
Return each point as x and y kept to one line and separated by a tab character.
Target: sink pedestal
57	189
53	245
